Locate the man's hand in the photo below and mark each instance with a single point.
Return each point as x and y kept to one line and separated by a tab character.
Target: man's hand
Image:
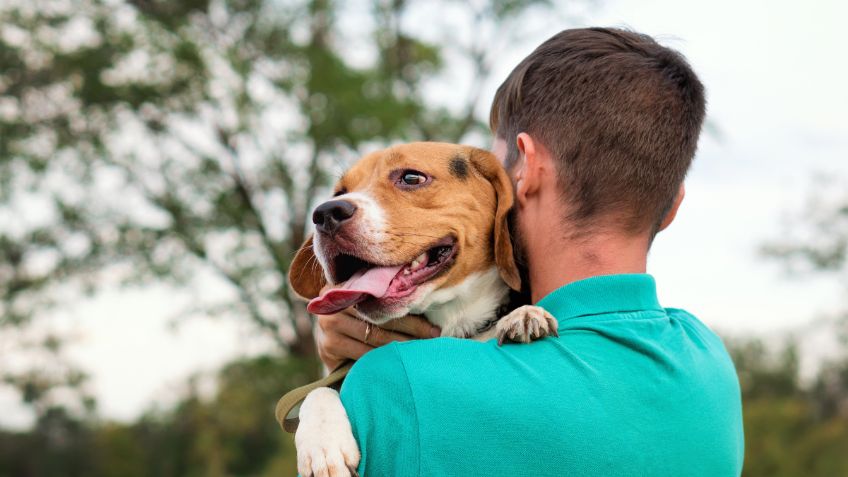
342	336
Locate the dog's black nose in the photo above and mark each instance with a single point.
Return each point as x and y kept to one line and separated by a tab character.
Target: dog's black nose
330	215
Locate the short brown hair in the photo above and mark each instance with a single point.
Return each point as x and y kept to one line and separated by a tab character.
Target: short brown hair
621	114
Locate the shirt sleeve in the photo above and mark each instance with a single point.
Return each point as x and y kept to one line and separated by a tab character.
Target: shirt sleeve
378	399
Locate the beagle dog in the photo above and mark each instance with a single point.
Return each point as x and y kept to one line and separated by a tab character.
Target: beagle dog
418	228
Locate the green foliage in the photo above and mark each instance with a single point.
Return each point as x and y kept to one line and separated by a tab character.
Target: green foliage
791	429
803	430
165	141
185	142
815	240
231	432
763	374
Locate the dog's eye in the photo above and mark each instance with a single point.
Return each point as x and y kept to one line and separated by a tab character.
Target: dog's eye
409	178
340	192
413	178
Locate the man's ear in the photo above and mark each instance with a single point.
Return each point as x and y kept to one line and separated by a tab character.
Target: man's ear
487	164
305	273
528	170
672	212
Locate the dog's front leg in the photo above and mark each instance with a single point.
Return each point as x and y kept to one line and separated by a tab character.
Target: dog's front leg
324	439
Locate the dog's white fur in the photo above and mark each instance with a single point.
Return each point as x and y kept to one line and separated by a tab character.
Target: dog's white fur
371	225
325	443
460	310
324	440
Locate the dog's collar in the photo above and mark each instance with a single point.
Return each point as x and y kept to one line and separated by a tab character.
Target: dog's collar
487	325
491	322
501	311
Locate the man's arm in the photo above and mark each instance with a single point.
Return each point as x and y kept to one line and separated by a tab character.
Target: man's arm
343	336
379	402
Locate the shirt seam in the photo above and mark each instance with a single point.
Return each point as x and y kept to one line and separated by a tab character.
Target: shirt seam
615	314
414	407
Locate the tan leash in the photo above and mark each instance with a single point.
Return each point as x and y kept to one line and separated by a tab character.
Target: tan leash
288	407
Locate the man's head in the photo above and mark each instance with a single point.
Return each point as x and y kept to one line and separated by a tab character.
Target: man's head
618	114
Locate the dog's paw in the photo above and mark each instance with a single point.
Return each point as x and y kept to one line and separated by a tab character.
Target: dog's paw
325	443
525	324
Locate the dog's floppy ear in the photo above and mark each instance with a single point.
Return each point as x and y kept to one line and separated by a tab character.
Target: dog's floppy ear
305	274
487	164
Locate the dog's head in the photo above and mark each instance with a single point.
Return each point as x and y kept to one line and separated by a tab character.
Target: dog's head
403	223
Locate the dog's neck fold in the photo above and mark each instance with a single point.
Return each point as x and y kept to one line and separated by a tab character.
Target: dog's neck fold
462	309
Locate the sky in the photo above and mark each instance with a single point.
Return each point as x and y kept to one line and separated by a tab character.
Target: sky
775	74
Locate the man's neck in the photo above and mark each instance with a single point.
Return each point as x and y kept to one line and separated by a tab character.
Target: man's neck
558	262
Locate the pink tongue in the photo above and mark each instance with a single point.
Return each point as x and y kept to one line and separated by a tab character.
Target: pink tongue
372	282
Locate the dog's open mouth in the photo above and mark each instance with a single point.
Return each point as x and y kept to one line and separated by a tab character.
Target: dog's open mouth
358	280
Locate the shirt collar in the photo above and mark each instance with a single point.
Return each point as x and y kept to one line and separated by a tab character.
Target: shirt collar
602	294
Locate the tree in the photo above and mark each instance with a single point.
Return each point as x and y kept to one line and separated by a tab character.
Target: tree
815	240
176	142
795	428
790	429
817	243
230	432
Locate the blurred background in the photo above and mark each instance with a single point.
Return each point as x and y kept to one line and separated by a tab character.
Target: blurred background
159	159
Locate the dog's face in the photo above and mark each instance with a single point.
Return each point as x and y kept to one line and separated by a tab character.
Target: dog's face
405	222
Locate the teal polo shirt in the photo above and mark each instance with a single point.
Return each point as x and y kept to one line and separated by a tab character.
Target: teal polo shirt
629	388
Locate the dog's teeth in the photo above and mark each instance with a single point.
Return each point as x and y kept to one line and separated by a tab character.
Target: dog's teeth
418	261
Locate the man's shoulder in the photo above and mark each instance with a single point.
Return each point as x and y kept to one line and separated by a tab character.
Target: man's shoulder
420	355
696	328
683	314
443	369
397	382
711	357
379	368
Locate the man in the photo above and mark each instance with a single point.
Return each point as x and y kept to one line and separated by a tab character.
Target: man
597	128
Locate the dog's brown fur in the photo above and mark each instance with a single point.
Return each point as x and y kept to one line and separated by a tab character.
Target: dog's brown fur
469	198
